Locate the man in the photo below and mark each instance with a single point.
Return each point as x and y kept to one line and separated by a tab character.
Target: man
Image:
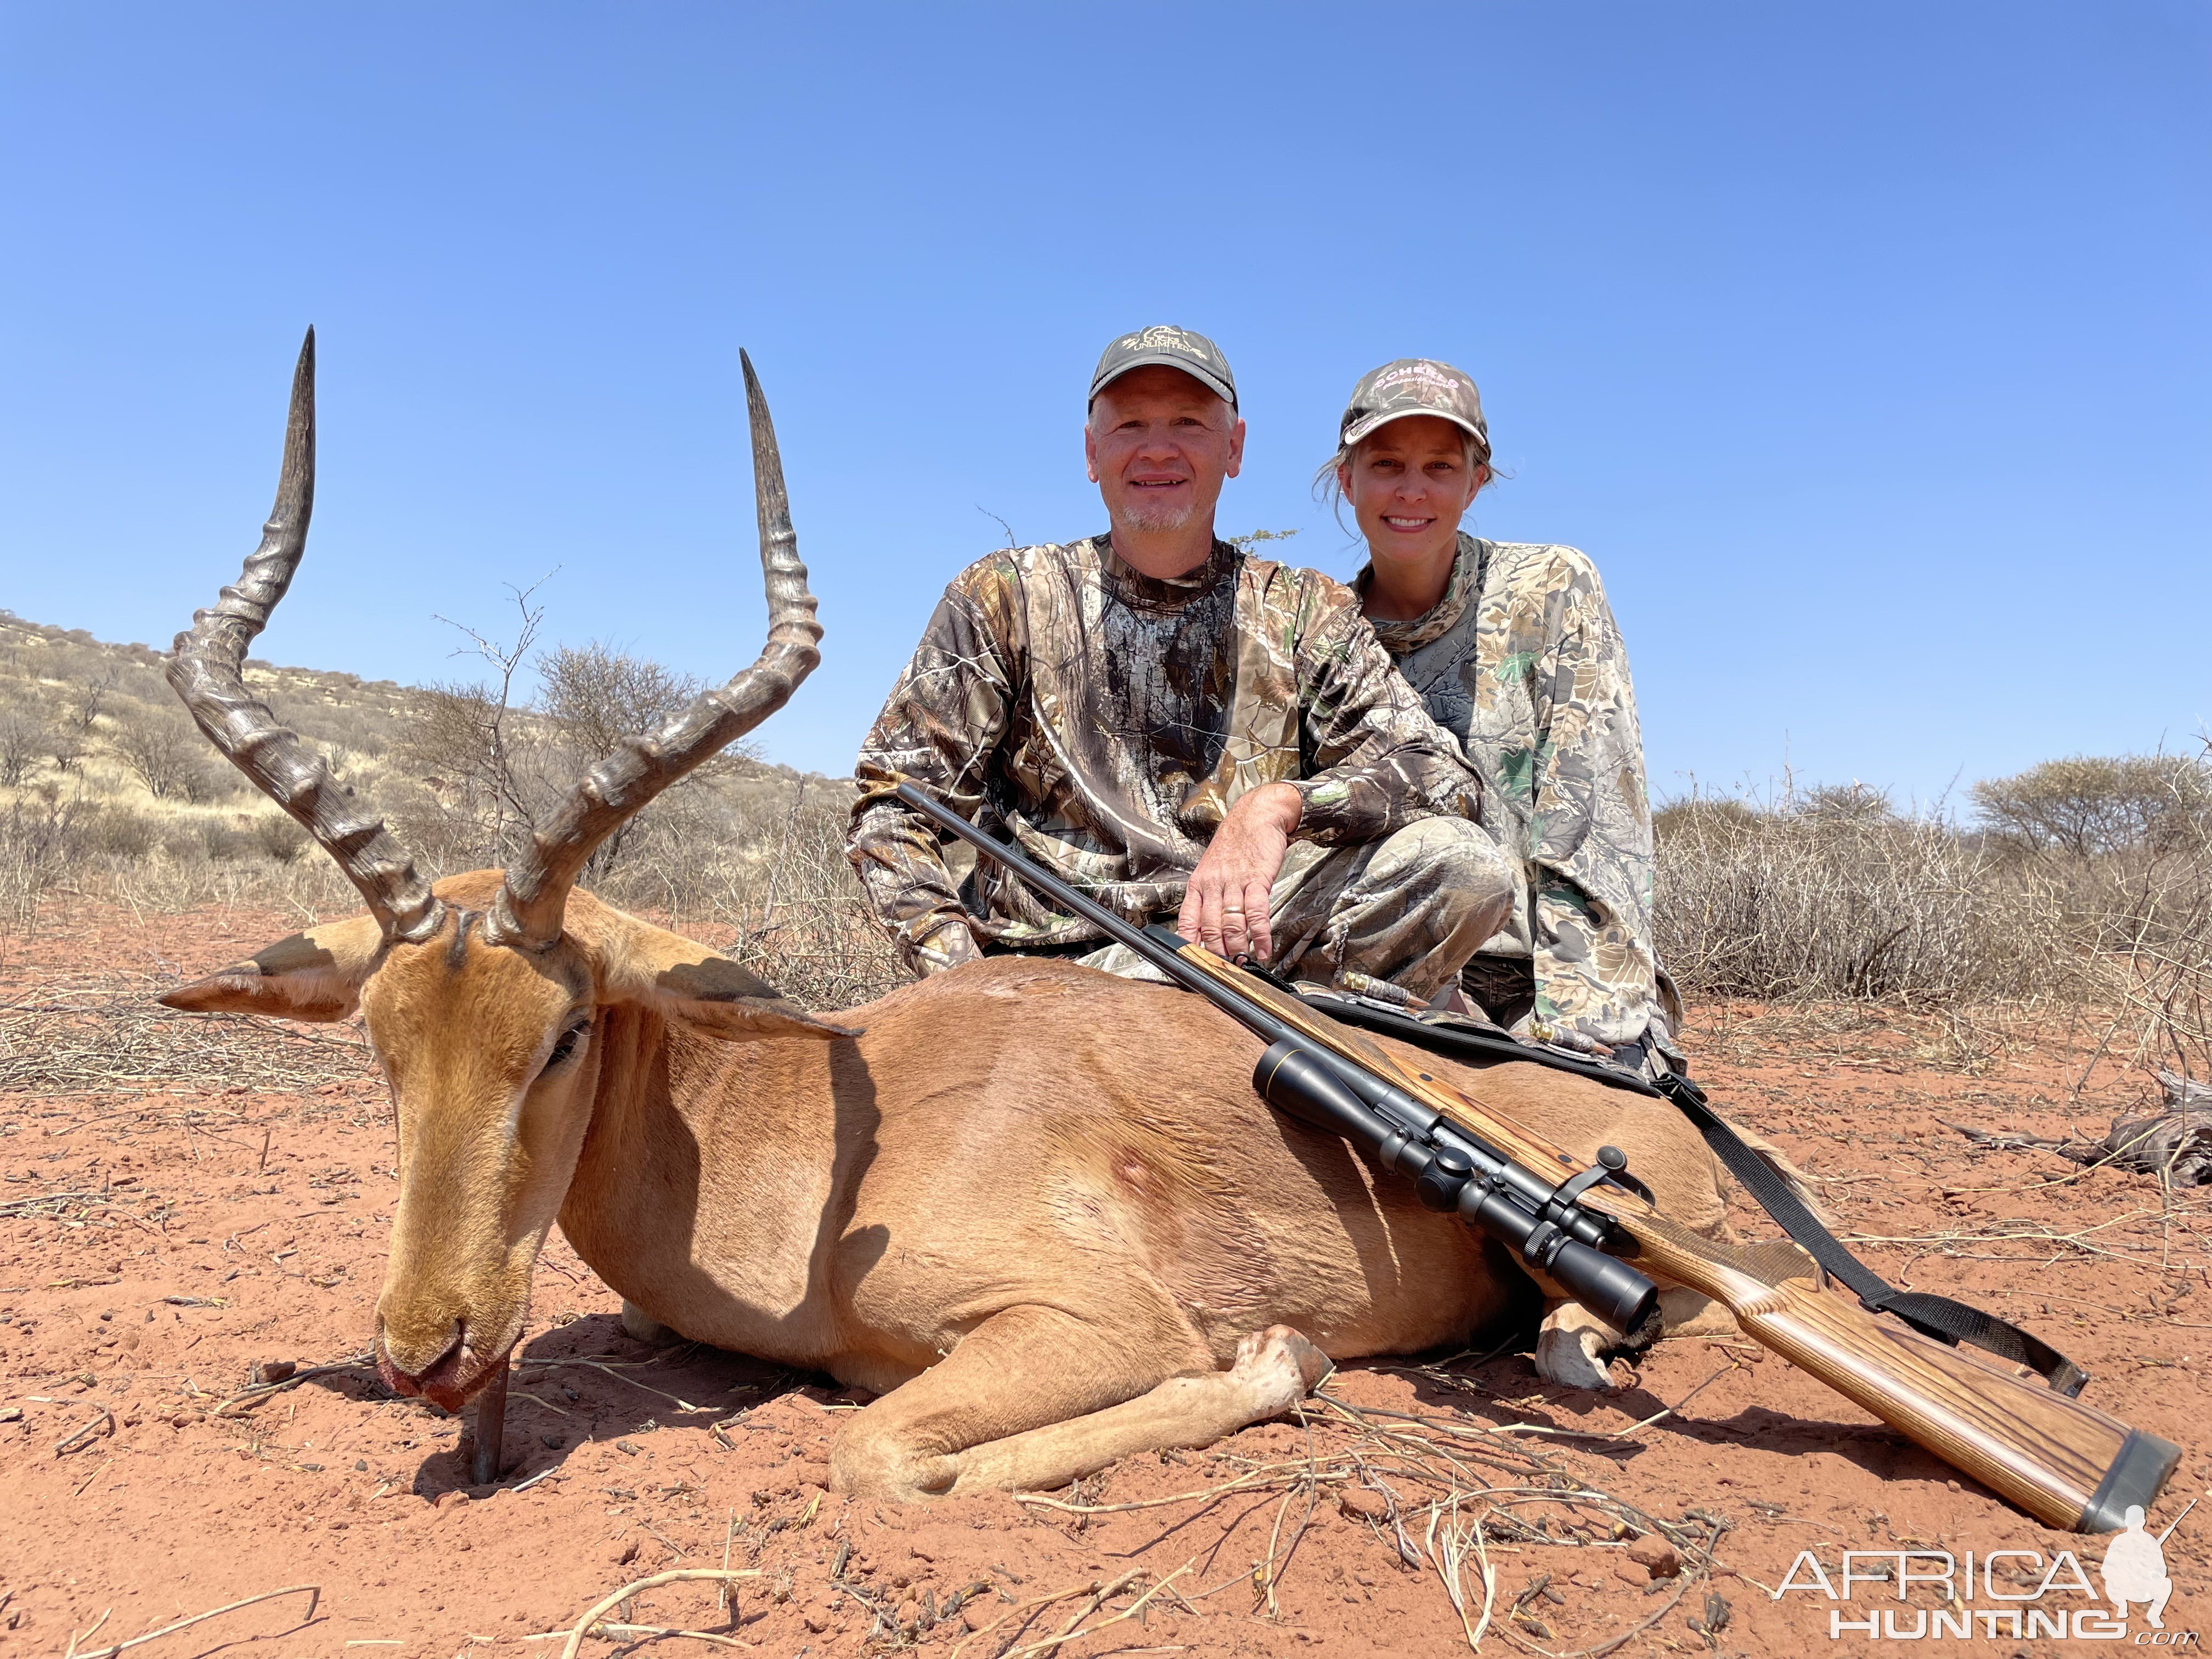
1181	729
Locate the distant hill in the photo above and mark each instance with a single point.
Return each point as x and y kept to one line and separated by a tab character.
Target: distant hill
94	723
107	790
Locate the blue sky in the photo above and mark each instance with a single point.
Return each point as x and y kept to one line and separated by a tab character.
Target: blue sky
1867	347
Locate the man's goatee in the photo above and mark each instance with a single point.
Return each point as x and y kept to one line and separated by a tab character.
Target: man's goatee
1157	516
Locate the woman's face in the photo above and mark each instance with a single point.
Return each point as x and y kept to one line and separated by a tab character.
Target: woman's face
1408	482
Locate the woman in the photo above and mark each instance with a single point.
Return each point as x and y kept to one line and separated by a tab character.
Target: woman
1515	650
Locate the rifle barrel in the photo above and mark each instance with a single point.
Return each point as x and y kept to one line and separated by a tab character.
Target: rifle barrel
1155	945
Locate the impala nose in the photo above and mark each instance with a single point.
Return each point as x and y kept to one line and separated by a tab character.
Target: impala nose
433	1380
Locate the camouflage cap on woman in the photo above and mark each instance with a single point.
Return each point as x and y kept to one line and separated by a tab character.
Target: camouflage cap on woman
1414	385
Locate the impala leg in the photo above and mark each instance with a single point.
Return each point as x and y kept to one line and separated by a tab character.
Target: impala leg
1034	1397
1665	1151
1274	1369
490	1428
1571	1340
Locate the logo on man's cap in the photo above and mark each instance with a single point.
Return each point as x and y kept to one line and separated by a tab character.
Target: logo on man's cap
1162	337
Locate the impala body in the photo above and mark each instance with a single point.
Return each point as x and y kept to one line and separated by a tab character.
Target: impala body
1038	1209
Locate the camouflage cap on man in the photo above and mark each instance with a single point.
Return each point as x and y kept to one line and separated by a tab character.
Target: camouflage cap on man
1177	347
1414	385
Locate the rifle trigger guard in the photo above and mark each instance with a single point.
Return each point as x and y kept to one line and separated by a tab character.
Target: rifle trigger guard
1615	1162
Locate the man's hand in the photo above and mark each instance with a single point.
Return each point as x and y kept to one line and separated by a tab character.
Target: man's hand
1226	908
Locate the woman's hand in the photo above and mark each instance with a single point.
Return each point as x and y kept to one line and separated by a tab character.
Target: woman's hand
1225	907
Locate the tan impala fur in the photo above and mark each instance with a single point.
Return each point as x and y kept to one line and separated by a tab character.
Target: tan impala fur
1039	1210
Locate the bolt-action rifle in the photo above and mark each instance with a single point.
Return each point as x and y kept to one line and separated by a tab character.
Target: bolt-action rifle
1594	1231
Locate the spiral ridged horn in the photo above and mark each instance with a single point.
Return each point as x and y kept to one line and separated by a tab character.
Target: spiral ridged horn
528	911
206	670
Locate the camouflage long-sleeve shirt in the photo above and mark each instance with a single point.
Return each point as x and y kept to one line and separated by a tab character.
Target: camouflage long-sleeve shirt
1522	660
1109	720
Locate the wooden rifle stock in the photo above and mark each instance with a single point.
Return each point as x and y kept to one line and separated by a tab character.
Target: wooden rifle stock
2068	1465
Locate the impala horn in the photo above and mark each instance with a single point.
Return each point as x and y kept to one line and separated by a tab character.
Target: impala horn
527	913
206	671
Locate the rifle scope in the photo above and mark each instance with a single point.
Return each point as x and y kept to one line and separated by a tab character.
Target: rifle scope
1451	1173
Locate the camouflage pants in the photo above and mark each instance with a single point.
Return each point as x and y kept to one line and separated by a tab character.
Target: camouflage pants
1410	909
1504	988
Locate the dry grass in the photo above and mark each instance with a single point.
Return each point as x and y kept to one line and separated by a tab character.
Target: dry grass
2131	933
117	1039
1436	1489
1832	896
1827	898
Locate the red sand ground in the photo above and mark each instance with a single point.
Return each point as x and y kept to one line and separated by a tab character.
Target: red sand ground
150	1306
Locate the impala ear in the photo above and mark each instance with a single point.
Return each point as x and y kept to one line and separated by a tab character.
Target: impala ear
717	998
315	976
682	980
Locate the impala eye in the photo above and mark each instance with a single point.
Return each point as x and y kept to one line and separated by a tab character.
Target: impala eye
565	1049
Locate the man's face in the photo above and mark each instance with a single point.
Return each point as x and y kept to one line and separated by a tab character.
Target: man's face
1160	445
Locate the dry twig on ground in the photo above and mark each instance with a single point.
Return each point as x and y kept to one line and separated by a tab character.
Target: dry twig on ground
93	1043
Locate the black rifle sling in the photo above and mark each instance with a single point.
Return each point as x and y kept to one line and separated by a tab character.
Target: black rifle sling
1937	1316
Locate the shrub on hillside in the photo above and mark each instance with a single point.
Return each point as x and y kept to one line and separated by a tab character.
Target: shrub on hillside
22	742
64	746
279	838
223	841
117	830
39	841
168	755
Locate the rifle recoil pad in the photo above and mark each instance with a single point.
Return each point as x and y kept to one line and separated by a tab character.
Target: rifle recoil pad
1299	1085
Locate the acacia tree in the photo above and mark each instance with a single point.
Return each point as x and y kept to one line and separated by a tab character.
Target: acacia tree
164	753
593	697
87	696
596	696
2091	805
501	764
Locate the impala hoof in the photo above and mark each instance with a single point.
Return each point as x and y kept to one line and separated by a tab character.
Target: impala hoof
1568	1356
